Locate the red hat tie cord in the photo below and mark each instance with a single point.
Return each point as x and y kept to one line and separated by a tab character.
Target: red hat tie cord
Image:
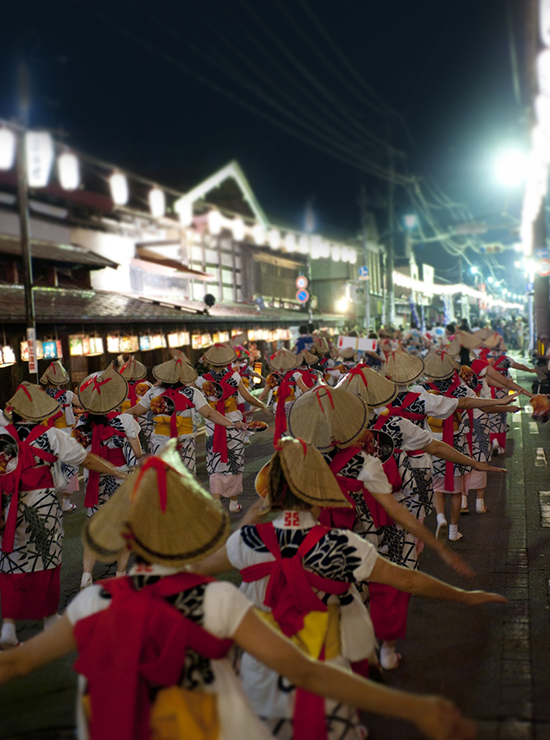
160	467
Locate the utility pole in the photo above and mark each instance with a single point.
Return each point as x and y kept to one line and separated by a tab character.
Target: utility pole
390	310
23	95
541	284
363	202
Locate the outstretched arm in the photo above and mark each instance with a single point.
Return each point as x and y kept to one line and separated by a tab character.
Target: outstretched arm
500	381
250	398
469	402
212	415
446	452
136	410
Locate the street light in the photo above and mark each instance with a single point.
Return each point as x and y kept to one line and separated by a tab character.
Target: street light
474	270
511	167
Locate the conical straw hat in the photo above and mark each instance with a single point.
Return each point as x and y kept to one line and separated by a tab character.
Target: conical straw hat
175	371
439	365
483	333
284	360
307	474
320	346
161	513
178	354
470	341
453	348
133	370
219	355
32	403
402	368
308	357
102	393
328	417
55	374
371	387
494	341
347	353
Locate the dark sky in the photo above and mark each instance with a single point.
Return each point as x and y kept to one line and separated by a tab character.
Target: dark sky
445	66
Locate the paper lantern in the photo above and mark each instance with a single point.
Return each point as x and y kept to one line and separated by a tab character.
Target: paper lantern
274	238
258	234
237	227
215	222
157	202
7	148
290	242
119	189
184	209
40	152
68	171
335	253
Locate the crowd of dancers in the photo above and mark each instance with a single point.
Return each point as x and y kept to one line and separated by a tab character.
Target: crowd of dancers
328	555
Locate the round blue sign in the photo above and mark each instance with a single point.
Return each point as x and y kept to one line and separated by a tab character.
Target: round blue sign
302	296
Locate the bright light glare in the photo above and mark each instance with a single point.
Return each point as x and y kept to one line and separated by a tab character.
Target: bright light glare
342	305
7	149
410	220
510	167
68	171
473	270
490	280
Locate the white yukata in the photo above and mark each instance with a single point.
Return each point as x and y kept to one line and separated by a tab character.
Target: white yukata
186	421
340	555
219	607
66	422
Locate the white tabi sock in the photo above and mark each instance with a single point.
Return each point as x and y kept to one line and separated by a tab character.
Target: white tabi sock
441	518
8	634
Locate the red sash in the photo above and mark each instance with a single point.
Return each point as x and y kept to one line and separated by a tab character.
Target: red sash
132	396
448	430
101	434
27	476
181	403
290	597
308	376
478	366
139	640
285	389
401	410
220	433
390	466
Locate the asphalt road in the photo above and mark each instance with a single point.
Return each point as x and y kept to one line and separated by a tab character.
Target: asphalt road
491	660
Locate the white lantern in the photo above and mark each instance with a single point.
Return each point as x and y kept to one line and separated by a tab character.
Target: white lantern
303	244
40	153
352	257
344	254
335	253
157	202
316	247
237	227
290	242
119	189
68	171
274	238
215	221
184	209
7	148
544	21
543	71
325	250
258	234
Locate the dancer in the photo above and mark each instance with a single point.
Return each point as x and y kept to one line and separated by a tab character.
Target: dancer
112	436
31	534
225	447
135	374
52	380
172	404
315	603
283	386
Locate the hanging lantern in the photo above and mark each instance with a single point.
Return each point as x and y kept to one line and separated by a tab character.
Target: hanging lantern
258	234
119	189
7	148
157	202
40	153
335	253
68	171
352	257
290	242
237	227
274	238
316	247
215	222
184	209
344	254
303	244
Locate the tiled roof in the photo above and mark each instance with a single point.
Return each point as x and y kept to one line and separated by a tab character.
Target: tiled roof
54	305
65	253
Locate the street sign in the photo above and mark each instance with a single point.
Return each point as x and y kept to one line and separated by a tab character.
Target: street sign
302	296
31	344
301	283
363	273
543	268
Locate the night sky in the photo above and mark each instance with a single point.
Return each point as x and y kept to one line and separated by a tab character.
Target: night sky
445	67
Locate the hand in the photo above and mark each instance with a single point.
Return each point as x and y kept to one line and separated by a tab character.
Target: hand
475	598
440	719
237	425
486	468
509	399
254	513
454	561
513	409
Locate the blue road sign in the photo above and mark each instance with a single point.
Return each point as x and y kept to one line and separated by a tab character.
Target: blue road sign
363	271
302	296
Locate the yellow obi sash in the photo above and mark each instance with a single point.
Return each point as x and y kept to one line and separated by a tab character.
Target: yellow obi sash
230	404
178	714
60	423
436	425
125	406
321	629
184	424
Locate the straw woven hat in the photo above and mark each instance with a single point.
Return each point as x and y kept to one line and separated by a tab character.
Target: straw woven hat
347	353
161	513
483	333
470	341
308	357
219	355
371	387
31	403
307	474
178	354
453	348
133	370
494	340
102	393
284	360
320	346
402	367
55	374
175	371
328	417
439	365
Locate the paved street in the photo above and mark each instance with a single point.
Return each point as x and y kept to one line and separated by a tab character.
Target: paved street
493	661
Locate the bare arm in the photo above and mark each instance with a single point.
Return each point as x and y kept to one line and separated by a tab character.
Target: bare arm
250	398
301	385
403	516
435	717
496	379
212	415
469	402
135	444
446	452
418	583
137	410
94	462
519	366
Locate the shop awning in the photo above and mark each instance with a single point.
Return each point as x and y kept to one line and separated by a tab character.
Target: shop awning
52	252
